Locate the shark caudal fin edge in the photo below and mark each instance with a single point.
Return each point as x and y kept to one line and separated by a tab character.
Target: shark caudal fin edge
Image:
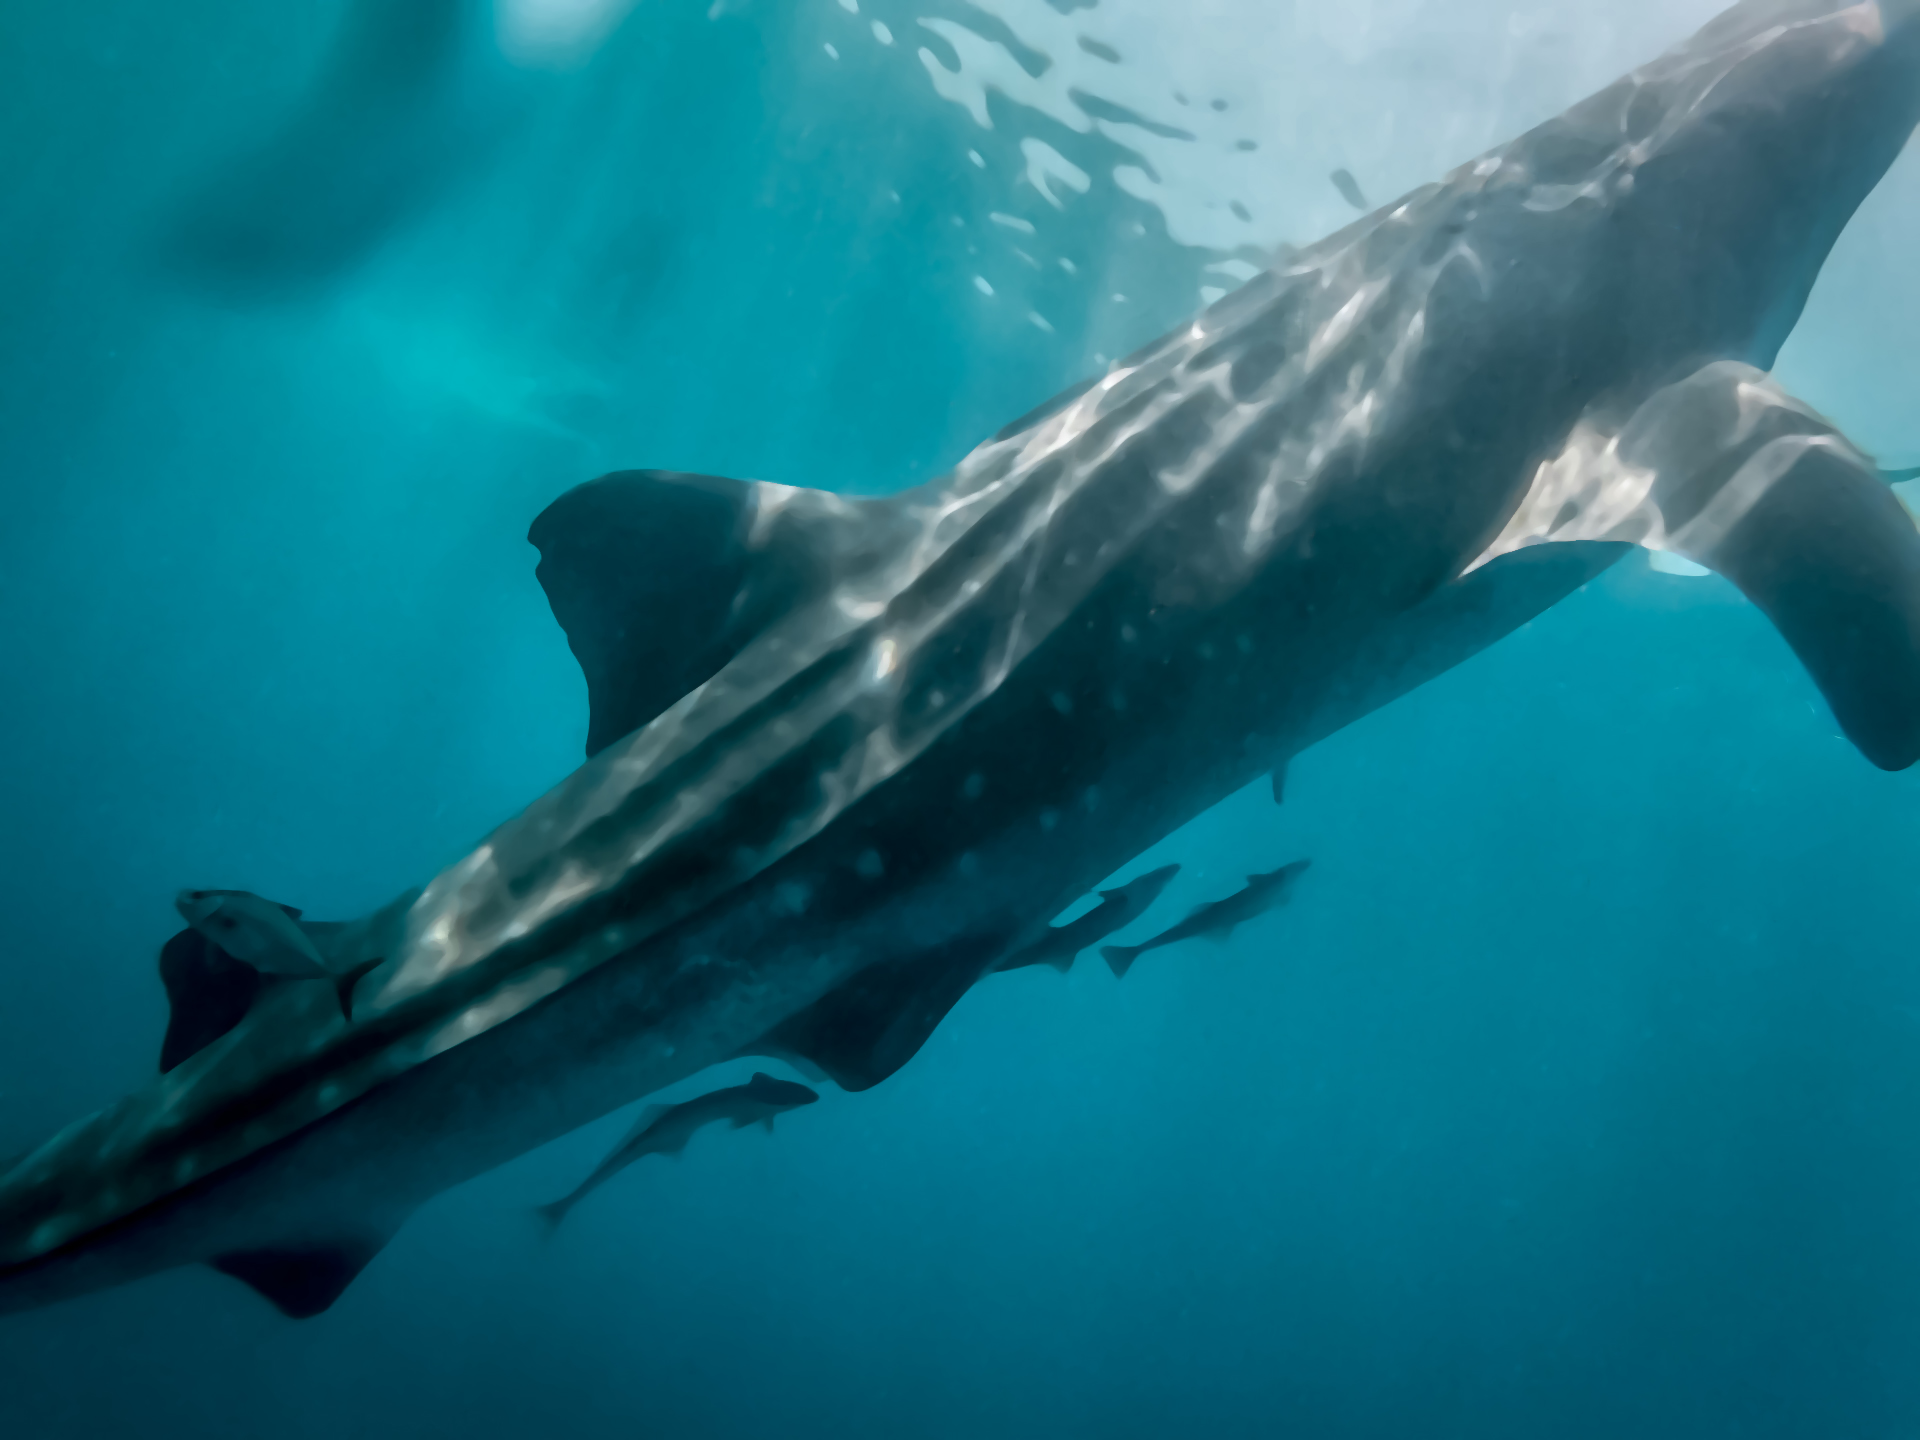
659	578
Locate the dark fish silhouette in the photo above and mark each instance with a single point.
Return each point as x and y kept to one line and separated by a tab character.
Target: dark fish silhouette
1218	920
1349	188
1062	943
404	102
665	1129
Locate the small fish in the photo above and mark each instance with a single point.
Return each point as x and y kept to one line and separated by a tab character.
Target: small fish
265	936
1060	944
1349	188
1218	920
665	1130
253	931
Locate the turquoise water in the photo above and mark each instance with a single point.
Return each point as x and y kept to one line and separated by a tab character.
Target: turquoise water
1573	1093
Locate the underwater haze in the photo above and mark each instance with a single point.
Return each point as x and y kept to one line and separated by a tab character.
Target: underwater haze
1574	1092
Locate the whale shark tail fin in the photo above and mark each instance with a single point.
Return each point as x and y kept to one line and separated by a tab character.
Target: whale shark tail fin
1753	484
660	578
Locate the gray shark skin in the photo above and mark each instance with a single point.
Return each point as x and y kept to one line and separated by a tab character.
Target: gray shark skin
1061	945
851	753
666	1129
1216	921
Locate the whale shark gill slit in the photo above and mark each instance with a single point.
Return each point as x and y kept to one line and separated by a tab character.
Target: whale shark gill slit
1456	622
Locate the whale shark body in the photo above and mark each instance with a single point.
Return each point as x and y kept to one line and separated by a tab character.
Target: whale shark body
848	755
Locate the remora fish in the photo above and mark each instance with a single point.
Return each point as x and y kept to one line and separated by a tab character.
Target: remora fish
1060	945
1218	920
258	932
666	1129
212	971
849	753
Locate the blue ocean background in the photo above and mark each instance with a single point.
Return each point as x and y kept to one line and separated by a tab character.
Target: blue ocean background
1577	1092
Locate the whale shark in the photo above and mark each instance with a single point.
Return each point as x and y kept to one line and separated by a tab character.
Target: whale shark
847	754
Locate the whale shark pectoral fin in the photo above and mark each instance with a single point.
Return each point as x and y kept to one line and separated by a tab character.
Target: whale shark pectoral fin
208	993
301	1278
873	1024
1753	484
660	578
1833	560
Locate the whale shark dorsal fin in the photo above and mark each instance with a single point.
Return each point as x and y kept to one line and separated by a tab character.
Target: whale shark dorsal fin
641	568
659	578
301	1278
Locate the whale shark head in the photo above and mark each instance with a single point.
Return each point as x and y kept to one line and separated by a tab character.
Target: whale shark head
1732	163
